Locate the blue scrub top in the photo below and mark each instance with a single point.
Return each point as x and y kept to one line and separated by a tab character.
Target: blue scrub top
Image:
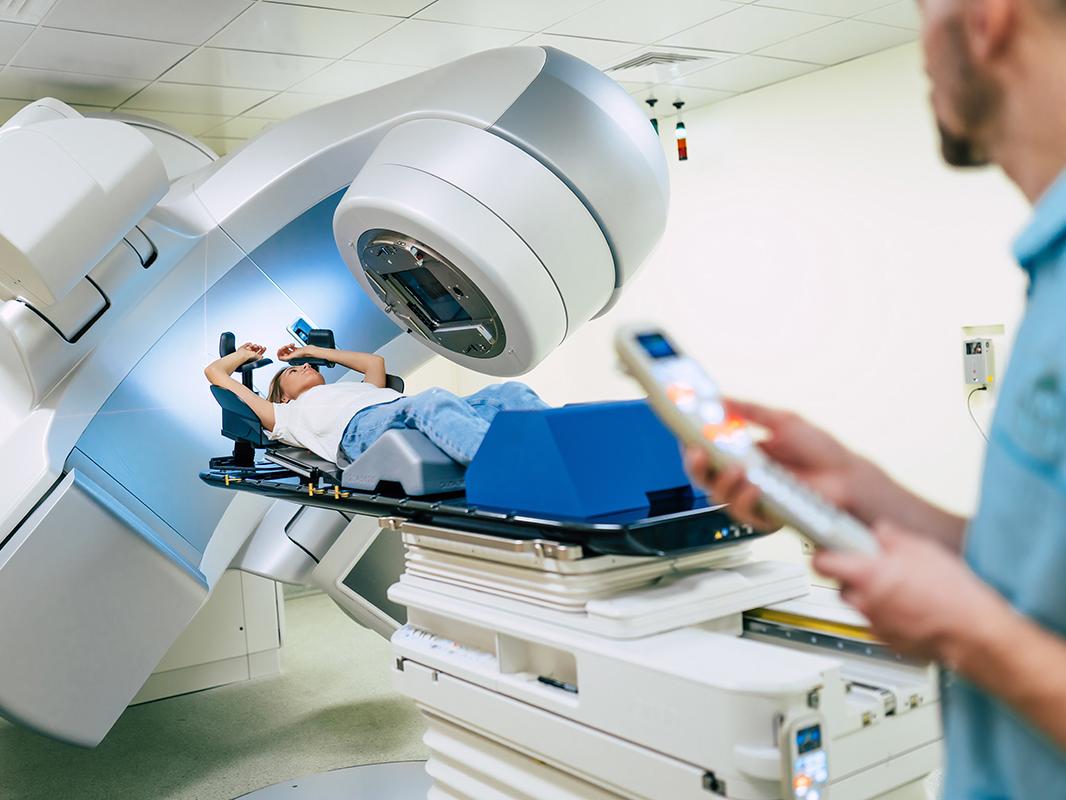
1017	540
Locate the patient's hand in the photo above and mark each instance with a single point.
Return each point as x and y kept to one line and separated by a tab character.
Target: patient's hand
250	352
290	351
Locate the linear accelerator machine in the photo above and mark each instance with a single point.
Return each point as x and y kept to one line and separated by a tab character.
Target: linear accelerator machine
549	662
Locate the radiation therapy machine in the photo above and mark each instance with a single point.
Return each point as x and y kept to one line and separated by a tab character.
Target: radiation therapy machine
574	618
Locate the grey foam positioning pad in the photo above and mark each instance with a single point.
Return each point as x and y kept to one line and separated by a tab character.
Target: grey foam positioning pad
408	458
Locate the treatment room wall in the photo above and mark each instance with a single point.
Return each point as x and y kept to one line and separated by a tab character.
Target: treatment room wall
818	256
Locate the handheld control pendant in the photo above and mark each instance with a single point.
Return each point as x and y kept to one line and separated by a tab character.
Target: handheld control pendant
689	402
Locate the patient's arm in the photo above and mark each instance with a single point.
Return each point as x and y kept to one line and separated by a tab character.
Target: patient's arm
371	366
220	370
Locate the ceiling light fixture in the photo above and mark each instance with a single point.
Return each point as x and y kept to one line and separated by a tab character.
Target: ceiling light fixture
651	101
680	134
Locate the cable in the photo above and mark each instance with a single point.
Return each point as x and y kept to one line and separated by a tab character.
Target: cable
970	409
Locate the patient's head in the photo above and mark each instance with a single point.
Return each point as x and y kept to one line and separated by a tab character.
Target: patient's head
291	382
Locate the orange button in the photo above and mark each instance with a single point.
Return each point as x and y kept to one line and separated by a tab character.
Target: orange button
680	392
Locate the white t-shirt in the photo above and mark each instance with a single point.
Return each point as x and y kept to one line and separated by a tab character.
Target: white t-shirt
317	418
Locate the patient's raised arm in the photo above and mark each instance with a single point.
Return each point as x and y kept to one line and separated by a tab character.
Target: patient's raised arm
371	366
219	372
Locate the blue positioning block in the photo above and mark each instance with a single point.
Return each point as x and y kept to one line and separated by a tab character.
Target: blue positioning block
578	461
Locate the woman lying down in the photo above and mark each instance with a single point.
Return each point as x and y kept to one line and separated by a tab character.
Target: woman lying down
338	421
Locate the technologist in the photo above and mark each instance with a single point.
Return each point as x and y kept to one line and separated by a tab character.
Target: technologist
985	597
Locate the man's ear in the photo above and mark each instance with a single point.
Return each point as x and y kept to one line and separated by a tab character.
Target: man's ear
990	26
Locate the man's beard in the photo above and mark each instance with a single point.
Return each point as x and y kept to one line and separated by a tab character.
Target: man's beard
960	151
976	100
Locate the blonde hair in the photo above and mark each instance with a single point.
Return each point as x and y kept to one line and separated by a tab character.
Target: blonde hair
276	393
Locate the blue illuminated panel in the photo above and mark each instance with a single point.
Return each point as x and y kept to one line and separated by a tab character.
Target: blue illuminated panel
160	427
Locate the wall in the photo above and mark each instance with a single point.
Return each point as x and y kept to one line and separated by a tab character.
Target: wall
819	256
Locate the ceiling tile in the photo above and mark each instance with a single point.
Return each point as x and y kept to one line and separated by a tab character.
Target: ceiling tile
693	98
392	8
91	111
836	8
8	109
641	21
522	15
835	43
244	68
98	54
192	124
30	12
903	14
351	77
223	146
301	30
239	128
598	52
190	99
70	87
745	73
187	22
289	104
749	28
427	44
12	35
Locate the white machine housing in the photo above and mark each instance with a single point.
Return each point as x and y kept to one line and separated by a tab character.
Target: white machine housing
546	674
495	165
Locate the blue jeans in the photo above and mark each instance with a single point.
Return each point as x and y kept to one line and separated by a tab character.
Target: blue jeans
455	424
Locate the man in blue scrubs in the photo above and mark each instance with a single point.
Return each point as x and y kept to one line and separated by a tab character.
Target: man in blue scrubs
984	597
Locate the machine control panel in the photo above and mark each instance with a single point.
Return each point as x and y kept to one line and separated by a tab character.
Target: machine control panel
808	764
689	402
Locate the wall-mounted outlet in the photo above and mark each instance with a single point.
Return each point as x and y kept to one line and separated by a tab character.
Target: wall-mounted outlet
978	354
978	362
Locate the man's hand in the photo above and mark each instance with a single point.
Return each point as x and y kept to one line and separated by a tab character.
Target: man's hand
815	457
921	599
290	351
249	351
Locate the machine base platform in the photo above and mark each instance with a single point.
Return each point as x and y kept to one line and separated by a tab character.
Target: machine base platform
401	780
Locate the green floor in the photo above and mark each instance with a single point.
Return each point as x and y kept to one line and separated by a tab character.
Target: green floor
333	706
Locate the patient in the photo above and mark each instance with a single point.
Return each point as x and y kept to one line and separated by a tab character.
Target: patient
338	421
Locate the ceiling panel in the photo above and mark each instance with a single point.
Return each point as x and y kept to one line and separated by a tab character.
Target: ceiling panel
8	108
225	67
422	43
300	30
640	21
223	146
239	128
244	69
840	41
744	73
12	35
598	52
749	28
903	14
836	8
29	11
70	87
185	22
190	99
289	104
192	124
98	54
667	94
522	15
394	8
352	77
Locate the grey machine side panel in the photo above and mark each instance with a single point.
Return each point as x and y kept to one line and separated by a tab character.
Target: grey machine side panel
92	599
592	153
408	458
